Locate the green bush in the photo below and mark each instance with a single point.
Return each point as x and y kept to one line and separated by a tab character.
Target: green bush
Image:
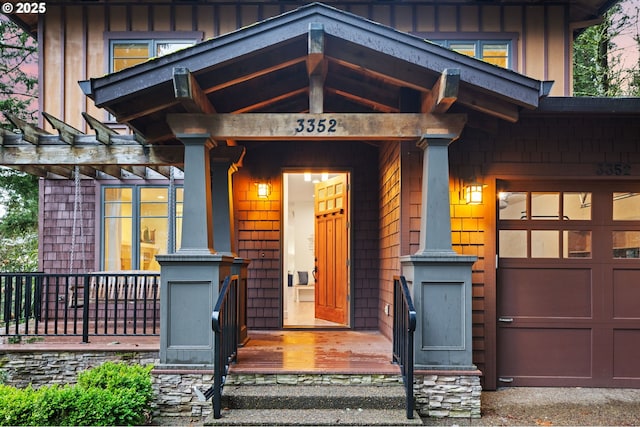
112	394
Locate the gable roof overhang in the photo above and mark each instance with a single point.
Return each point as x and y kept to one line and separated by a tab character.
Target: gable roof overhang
365	67
271	67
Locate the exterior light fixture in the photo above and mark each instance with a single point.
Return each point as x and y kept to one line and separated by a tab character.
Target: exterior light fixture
264	189
473	193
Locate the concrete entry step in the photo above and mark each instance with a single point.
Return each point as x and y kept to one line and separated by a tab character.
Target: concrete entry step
314	397
314	417
282	405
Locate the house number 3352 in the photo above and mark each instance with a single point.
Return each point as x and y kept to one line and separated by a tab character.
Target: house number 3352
613	168
316	126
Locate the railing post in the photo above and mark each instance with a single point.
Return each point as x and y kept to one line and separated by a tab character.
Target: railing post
85	307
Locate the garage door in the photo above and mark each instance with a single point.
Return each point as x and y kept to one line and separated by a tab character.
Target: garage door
568	299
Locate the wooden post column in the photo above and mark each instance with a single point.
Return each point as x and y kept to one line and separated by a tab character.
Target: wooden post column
440	278
191	277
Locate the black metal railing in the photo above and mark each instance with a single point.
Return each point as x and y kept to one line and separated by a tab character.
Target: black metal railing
226	327
106	303
404	325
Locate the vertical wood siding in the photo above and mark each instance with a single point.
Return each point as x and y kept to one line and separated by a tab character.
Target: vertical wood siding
75	48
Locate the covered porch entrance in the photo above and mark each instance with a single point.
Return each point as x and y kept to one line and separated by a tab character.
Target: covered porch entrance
318	88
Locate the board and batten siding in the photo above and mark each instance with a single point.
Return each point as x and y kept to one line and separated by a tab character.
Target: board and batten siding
74	47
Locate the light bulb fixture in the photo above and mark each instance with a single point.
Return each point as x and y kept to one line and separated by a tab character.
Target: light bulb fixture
264	189
473	193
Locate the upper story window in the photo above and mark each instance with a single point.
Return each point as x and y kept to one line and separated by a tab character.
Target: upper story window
496	52
128	49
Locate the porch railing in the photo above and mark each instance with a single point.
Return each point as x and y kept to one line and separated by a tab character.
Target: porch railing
404	325
91	304
226	327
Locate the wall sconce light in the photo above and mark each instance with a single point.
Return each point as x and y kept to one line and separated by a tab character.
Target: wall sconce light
264	189
473	193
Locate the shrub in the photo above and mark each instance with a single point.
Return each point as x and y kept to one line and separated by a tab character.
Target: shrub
112	394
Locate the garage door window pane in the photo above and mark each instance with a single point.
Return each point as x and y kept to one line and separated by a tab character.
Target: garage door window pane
545	205
577	206
626	206
626	244
513	205
576	244
545	244
513	243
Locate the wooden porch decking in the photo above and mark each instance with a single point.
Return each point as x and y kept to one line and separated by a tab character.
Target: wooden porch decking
268	352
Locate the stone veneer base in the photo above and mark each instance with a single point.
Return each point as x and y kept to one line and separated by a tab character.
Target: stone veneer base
437	393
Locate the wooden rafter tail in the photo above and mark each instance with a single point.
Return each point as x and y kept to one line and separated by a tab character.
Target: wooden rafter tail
67	132
139	171
103	132
30	133
165	171
9	138
32	170
110	170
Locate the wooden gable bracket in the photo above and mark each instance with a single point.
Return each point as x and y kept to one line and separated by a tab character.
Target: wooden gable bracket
316	67
67	133
190	95
443	93
30	133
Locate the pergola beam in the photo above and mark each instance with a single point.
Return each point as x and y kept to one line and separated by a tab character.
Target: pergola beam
59	154
328	126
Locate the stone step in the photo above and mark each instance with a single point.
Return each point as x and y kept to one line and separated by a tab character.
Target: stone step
314	397
314	417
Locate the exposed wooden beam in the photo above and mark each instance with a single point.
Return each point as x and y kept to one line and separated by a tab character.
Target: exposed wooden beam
443	94
489	105
154	109
188	92
362	100
316	68
67	132
335	126
130	154
270	101
261	71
